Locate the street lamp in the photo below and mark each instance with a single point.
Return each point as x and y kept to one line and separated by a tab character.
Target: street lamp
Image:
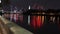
0	1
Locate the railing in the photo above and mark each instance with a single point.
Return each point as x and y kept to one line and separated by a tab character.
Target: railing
4	29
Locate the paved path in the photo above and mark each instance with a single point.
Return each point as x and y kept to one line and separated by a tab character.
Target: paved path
13	27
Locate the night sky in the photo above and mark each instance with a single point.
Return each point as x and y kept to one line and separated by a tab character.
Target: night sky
47	4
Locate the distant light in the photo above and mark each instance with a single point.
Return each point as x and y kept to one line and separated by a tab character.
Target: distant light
0	1
15	11
2	11
29	8
29	20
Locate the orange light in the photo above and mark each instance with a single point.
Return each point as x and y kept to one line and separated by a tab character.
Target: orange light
42	19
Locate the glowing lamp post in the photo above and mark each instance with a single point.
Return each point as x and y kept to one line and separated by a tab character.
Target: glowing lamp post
0	1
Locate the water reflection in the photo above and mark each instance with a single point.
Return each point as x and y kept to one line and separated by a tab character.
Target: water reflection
36	22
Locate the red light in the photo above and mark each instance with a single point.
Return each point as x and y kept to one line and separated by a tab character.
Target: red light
37	21
33	23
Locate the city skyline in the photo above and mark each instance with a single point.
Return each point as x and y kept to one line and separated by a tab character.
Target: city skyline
47	4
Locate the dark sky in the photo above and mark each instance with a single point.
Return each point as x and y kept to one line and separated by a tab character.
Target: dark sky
47	4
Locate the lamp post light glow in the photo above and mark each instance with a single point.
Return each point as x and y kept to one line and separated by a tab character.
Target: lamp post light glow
0	1
29	8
